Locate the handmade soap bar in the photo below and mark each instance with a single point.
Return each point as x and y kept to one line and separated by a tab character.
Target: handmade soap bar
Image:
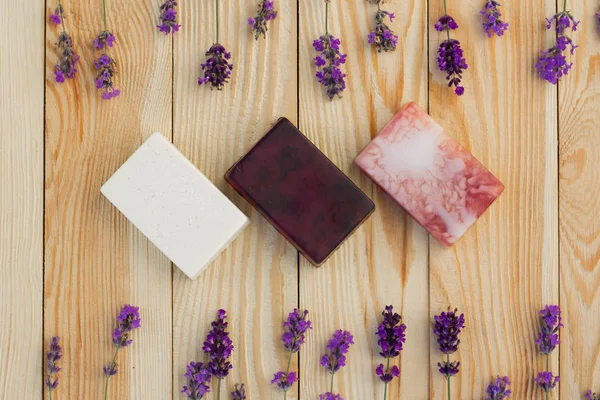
298	190
430	174
165	196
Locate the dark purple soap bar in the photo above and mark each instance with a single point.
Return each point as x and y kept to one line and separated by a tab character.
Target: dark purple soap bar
300	191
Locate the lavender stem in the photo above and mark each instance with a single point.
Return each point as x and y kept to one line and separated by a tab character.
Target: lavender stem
287	371
104	12
448	355
219	390
326	17
548	355
446	13
331	386
387	370
112	365
217	6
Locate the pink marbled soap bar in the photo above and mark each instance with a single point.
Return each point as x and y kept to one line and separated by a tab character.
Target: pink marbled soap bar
429	174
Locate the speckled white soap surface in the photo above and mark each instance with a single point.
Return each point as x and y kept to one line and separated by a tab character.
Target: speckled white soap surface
171	202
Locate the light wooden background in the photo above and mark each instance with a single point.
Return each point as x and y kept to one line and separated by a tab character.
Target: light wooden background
69	260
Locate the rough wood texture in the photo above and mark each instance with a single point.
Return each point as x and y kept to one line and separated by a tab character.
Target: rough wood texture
506	267
95	260
255	279
385	260
21	199
579	148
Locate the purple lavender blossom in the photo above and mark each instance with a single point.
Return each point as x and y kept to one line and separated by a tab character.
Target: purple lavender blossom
295	328
284	381
447	326
592	396
106	69
552	64
168	18
446	22
450	54
546	381
198	377
551	321
218	346
66	68
329	59
386	375
492	22
265	12
498	390
330	396
448	368
104	40
338	347
239	393
55	18
382	37
391	333
217	69
53	355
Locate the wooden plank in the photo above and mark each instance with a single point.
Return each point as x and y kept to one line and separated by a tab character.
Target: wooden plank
506	267
95	260
21	199
255	279
385	260
579	147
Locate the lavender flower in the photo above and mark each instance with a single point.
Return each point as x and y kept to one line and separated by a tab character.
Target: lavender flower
391	337
265	12
592	396
338	347
552	64
388	375
448	368
551	321
294	335
217	69
498	390
492	22
330	396
105	65
239	393
66	68
447	326
329	59
546	381
450	54
127	320
218	346
382	37
55	18
198	377
168	18
53	355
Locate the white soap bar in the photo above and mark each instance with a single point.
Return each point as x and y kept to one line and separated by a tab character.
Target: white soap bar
178	208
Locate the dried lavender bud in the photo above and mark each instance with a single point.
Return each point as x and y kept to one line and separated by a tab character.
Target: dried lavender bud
295	329
447	327
592	396
106	69
338	347
239	393
546	381
53	355
168	18
492	22
66	68
382	37
217	69
198	377
551	321
104	40
284	381
218	346
329	58
552	64
265	12
498	390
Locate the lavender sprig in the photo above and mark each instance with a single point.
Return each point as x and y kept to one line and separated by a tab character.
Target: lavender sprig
218	346
552	64
592	396
330	396
265	12
168	18
450	54
551	322
198	377
447	326
239	393
491	19
127	320
217	68
328	61
105	65
294	335
338	346
66	67
547	381
391	337
53	355
498	390
382	37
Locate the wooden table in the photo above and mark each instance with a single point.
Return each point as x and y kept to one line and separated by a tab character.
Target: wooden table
69	260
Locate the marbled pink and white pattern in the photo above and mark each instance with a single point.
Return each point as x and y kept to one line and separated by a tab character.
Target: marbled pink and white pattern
429	174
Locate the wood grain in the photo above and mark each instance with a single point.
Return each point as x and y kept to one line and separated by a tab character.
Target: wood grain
255	279
384	261
95	260
579	148
506	267
21	199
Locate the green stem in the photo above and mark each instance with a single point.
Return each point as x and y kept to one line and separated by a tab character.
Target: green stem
50	394
112	365
104	13
387	370
446	14
217	7
565	6
219	390
548	355
287	371
448	355
62	24
331	386
326	17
